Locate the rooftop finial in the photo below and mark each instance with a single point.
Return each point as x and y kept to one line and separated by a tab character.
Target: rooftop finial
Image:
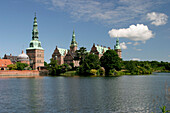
35	14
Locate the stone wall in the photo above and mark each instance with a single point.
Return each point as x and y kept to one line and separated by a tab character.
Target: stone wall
19	73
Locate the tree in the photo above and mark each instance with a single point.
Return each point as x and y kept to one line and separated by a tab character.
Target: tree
12	67
21	66
91	61
17	66
81	54
45	63
54	68
110	61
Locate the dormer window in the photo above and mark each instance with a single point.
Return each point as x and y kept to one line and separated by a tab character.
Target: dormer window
31	44
39	44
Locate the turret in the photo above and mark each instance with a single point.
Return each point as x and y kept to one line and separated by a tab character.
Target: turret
73	41
35	43
35	51
73	46
35	29
117	48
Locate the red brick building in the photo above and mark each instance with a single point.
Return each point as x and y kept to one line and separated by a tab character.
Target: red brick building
66	56
35	51
12	58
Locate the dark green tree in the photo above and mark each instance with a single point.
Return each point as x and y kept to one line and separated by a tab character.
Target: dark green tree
45	63
12	67
21	66
81	54
91	61
54	68
110	61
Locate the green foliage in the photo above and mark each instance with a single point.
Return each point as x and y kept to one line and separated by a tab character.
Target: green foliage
12	67
65	68
21	66
101	71
54	68
110	60
93	71
164	109
91	61
18	66
145	67
81	54
45	63
72	65
137	67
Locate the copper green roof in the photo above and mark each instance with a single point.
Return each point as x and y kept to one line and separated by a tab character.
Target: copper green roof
62	51
117	46
35	43
101	49
73	41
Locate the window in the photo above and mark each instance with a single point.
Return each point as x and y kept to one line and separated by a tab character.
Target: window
31	44
39	44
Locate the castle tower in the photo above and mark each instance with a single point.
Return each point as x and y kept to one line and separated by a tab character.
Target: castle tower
117	48
35	51
73	46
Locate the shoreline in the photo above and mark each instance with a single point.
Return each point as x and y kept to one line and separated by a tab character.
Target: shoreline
1	77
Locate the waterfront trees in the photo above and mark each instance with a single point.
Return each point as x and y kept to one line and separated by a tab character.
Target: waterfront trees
17	66
111	61
54	68
81	54
91	61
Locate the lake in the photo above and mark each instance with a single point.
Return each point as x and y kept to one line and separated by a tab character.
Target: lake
146	93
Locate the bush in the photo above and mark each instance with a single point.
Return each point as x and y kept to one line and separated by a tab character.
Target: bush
93	71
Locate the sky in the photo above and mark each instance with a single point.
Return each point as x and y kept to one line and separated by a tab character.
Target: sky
142	26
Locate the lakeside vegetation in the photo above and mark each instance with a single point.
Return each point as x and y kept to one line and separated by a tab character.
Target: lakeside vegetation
108	65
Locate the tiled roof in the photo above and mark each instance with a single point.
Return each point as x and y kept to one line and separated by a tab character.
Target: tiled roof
62	51
5	62
12	58
101	49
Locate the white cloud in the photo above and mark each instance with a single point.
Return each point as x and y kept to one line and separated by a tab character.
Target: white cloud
157	18
137	32
129	43
123	45
107	11
135	59
136	43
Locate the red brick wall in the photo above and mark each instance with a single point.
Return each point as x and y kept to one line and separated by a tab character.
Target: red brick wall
19	72
37	56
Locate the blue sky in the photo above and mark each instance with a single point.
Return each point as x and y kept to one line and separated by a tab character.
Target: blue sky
143	26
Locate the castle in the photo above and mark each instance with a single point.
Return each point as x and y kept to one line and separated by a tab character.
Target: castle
35	53
34	56
64	56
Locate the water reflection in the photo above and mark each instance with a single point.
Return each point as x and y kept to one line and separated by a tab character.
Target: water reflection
83	94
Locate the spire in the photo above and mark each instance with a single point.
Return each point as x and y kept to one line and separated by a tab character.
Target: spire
35	29
117	46
35	43
73	41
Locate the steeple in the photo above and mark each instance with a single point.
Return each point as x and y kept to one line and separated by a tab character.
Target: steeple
73	41
35	43
35	29
117	46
